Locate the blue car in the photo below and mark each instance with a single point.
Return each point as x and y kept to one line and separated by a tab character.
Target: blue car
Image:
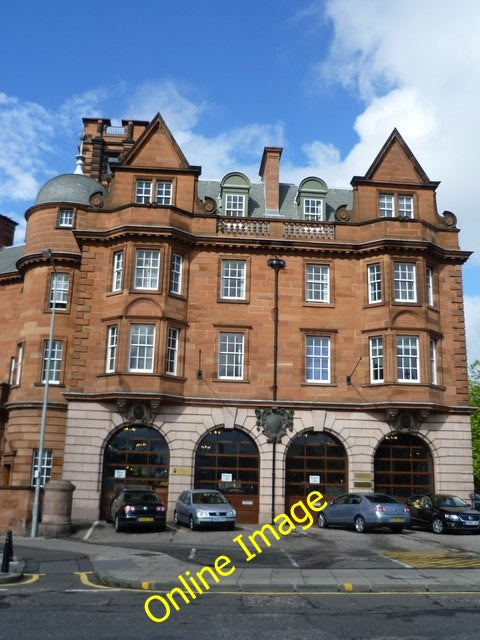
365	511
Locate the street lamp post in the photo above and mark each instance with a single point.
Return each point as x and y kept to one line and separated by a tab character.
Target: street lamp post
276	264
46	253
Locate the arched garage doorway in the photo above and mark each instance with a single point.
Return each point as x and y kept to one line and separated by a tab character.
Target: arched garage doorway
315	461
403	466
228	460
135	456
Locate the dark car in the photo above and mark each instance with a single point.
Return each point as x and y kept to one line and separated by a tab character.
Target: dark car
364	511
204	507
137	508
475	500
443	512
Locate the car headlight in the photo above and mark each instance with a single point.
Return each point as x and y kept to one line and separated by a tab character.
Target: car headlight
201	513
232	513
451	516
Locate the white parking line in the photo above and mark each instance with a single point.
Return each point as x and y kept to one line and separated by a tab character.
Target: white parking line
90	531
292	560
192	554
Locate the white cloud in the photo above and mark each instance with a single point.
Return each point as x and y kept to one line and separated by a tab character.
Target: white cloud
472	321
415	66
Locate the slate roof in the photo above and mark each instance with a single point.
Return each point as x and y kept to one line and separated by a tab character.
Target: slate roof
287	193
69	187
9	257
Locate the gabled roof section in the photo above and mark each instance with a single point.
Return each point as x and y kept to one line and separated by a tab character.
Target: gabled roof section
156	147
396	163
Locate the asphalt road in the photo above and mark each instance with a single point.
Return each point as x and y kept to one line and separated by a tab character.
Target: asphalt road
314	548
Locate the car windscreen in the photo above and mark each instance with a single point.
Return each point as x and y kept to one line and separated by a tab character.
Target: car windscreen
449	501
208	498
378	498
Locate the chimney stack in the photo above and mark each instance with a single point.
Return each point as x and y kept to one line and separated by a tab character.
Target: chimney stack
7	231
269	173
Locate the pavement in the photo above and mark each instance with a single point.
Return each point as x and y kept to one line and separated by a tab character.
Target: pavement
153	571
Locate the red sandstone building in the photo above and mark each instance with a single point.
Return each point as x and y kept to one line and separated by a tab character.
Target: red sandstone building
194	318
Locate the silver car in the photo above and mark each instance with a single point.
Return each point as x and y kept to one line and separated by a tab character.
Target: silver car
364	511
198	507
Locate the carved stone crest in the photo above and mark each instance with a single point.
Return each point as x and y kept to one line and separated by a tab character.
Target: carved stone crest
274	422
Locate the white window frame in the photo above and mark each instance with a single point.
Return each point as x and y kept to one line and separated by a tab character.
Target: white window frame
430	296
147	269
317	359
46	468
374	277
59	286
408	359
317	283
65	218
164	192
143	191
235	205
231	354
405	281
376	359
117	271
56	354
433	361
173	340
141	353
176	267
386	205
313	209
405	205
112	345
18	373
233	279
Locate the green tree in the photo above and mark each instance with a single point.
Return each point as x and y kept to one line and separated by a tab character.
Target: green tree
474	387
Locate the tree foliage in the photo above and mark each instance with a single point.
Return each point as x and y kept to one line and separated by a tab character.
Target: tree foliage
474	387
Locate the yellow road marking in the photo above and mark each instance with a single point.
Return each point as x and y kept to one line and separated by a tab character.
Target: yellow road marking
33	578
435	559
347	586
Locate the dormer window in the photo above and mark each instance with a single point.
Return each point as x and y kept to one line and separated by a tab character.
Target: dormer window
234	193
163	190
311	199
391	205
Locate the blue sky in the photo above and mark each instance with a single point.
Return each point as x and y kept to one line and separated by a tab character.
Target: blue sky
325	80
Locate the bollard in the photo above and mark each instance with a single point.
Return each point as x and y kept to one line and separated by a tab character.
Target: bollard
7	552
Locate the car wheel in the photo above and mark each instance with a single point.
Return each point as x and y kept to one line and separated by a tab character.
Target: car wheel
175	518
397	529
322	523
191	523
118	526
437	526
360	525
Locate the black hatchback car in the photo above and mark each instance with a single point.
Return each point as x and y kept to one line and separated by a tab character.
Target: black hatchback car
443	512
137	508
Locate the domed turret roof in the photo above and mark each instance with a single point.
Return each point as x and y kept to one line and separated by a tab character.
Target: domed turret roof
69	187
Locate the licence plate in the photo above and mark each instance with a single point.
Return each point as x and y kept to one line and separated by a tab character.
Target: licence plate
145	519
473	523
397	519
219	519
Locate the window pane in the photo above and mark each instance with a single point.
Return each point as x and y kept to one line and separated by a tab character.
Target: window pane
112	341
385	205
176	274
46	470
234	204
374	283
164	192
313	209
407	359
230	356
376	359
172	350
65	218
52	365
142	339
317	359
404	282
143	192
405	206
117	276
233	279
59	290
317	284
147	268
